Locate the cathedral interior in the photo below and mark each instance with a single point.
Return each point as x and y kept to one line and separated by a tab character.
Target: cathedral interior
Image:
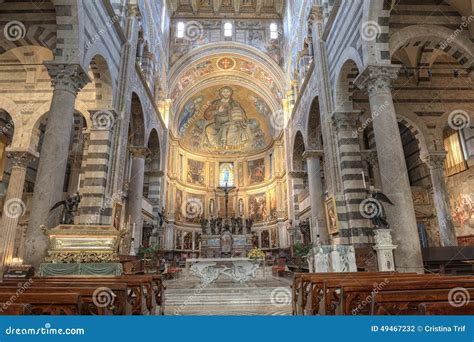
237	141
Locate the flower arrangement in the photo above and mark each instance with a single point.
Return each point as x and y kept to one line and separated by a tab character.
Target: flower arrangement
256	253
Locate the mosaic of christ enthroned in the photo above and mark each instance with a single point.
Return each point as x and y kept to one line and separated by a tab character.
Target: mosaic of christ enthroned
229	119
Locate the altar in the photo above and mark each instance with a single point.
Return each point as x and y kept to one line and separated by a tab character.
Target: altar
240	270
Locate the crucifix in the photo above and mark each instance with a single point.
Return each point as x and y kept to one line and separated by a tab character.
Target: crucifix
227	189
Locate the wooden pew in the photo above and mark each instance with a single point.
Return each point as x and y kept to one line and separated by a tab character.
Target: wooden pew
15	310
308	286
141	291
116	306
408	302
50	303
445	309
352	296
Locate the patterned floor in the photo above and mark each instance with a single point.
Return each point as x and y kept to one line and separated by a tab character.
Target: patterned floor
263	296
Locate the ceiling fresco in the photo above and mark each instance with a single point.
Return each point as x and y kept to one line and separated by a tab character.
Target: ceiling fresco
225	120
212	67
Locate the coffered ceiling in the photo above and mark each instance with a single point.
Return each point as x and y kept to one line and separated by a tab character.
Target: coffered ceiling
228	8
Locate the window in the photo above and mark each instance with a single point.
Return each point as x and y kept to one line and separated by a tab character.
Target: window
273	31
163	16
180	27
226	175
455	160
228	28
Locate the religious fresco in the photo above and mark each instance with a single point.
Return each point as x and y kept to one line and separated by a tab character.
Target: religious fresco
256	171
212	66
193	211
273	204
225	120
196	172
258	207
188	241
462	213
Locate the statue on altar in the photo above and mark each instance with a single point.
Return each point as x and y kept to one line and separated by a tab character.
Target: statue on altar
70	207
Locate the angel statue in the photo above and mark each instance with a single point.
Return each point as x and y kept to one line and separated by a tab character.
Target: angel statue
373	209
70	207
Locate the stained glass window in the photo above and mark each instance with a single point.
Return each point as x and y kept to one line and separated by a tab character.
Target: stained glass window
226	174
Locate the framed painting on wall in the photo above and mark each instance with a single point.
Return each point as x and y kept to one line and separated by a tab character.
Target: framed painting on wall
331	216
117	215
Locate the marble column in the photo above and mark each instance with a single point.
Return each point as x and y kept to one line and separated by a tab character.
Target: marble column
395	182
447	233
316	193
14	206
135	191
67	80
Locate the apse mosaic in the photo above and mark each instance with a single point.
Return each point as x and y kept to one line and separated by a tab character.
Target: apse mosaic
223	120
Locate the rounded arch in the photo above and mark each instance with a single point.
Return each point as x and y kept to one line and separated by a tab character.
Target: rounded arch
344	84
155	149
137	122
101	89
435	36
299	147
314	125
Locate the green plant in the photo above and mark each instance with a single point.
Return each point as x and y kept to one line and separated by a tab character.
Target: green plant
301	250
142	251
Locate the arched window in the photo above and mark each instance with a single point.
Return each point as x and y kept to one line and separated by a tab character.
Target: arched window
228	30
273	31
456	158
180	27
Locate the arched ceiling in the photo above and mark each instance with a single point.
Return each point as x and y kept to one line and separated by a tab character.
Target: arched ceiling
208	122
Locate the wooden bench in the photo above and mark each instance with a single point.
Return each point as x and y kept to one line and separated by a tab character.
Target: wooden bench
355	298
50	303
15	310
142	289
408	302
445	309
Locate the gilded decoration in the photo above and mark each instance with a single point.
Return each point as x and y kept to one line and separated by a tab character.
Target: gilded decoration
225	120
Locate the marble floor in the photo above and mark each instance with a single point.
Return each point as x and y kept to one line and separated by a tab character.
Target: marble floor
262	296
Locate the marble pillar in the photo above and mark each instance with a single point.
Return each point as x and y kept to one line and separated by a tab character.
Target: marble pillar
135	191
14	206
447	233
377	80
316	193
67	80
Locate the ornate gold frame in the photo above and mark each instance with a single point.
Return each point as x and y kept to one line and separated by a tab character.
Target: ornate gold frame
331	202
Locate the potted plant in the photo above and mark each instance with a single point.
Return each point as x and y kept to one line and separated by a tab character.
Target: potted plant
300	251
256	254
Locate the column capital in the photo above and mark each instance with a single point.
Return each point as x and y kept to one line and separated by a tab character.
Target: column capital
140	152
435	159
68	77
346	120
103	119
21	157
316	14
133	11
157	174
377	78
313	154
